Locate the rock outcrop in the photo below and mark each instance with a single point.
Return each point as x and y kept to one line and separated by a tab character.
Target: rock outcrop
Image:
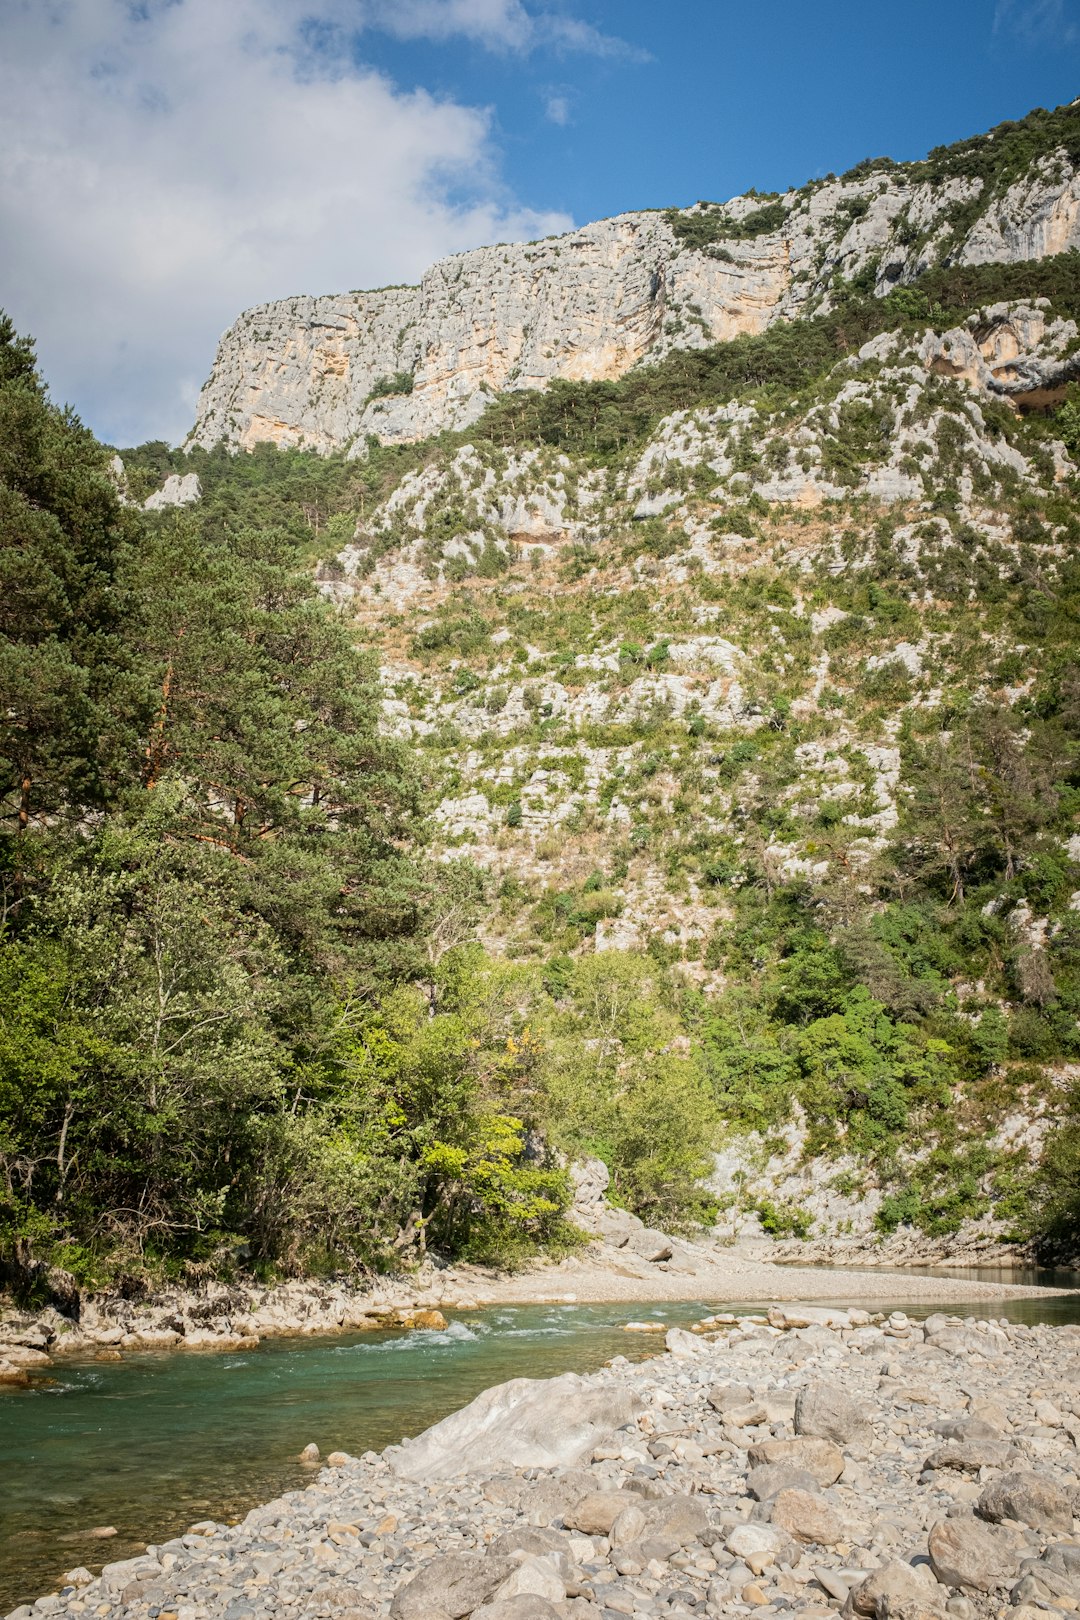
179	489
405	362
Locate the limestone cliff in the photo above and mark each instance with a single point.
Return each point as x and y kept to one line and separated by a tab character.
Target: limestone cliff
405	362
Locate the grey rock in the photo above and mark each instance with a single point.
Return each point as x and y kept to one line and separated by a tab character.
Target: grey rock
821	1458
533	1577
968	1553
684	1519
891	1580
1029	1498
967	1429
830	1412
454	1585
964	1341
532	1539
685	1345
767	1479
968	1456
525	1606
651	1245
1039	1579
594	1515
628	1527
179	489
725	1397
526	1423
808	1517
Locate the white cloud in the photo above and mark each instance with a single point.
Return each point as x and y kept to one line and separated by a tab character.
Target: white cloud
1036	22
557	109
165	163
498	24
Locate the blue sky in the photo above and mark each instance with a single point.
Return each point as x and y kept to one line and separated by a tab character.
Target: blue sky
165	164
711	97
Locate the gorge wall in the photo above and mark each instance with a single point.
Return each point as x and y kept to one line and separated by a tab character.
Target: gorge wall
405	362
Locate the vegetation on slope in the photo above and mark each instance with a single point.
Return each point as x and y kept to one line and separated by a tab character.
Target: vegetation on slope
208	904
241	1012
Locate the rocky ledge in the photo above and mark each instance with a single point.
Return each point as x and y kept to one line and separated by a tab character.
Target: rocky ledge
801	1463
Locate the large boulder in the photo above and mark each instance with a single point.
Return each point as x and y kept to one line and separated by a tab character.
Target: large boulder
971	1428
534	1576
808	1517
821	1458
968	1553
760	1545
726	1398
804	1316
831	1413
526	1423
526	1606
1030	1498
968	1341
650	1244
968	1456
895	1582
532	1539
454	1585
594	1515
680	1518
769	1479
684	1345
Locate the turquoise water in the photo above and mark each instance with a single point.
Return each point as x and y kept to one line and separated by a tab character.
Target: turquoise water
153	1443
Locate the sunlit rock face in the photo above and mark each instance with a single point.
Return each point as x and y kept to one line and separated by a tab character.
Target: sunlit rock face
405	362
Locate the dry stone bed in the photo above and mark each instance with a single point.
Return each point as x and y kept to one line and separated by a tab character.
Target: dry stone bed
810	1463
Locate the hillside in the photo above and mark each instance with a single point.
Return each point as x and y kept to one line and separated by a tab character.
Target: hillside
780	694
677	766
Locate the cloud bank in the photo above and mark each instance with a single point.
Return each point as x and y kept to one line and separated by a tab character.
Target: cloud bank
165	163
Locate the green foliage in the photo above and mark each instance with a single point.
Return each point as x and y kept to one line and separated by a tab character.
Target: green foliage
399	382
784	1219
707	226
201	834
452	631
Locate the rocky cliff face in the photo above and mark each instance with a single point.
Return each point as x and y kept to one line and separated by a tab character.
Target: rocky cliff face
406	362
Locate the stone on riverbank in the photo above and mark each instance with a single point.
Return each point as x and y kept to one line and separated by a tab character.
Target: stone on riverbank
1028	1498
452	1586
821	1458
965	1552
525	1423
830	1413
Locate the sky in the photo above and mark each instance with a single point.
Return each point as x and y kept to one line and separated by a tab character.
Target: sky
165	164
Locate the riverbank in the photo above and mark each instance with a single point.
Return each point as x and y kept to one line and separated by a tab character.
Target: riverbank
236	1316
806	1463
623	1261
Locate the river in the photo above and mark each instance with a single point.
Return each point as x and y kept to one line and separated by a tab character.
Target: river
156	1442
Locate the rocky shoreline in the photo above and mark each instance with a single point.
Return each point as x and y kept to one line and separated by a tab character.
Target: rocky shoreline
623	1261
235	1316
801	1463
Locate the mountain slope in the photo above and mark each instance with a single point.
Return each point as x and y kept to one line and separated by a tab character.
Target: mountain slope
744	686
